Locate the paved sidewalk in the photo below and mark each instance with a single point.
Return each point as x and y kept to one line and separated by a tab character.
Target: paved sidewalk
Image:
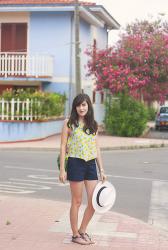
106	143
36	224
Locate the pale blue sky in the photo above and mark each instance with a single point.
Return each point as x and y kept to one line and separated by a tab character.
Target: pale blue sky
126	11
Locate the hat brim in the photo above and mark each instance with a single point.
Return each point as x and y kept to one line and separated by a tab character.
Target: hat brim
112	198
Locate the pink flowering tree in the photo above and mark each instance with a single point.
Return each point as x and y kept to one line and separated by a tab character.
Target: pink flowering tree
137	65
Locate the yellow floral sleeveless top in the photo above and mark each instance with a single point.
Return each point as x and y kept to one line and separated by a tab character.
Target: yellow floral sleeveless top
81	145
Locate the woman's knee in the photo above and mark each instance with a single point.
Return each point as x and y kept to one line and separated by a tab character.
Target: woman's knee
76	202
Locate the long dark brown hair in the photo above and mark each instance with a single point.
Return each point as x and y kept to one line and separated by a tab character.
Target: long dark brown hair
90	125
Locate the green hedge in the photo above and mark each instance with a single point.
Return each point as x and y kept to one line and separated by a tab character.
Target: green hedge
125	116
51	104
151	113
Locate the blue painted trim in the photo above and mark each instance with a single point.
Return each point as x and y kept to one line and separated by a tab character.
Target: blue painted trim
18	8
24	79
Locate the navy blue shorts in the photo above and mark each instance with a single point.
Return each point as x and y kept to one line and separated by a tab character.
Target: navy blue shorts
79	169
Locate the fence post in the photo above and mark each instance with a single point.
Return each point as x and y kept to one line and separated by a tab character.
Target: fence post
23	109
35	110
12	109
18	108
3	107
27	109
6	65
39	114
31	110
7	110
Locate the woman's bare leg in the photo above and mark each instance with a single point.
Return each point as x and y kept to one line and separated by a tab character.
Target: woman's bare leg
89	211
76	199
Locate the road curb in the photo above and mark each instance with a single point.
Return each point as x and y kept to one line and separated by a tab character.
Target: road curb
161	145
129	147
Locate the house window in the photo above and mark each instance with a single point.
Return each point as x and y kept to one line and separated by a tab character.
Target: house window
14	37
94	52
102	97
94	97
98	97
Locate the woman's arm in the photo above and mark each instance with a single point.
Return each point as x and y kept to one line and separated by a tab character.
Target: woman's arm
99	160
64	138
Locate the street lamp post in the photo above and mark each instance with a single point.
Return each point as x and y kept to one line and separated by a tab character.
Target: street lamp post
77	49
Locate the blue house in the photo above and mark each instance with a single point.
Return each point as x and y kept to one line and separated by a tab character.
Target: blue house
37	43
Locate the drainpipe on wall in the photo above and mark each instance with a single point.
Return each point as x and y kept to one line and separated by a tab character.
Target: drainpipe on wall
70	69
108	38
77	48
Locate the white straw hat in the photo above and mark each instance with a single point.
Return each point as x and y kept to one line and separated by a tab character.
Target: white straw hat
104	197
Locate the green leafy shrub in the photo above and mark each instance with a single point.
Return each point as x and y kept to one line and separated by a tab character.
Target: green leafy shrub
151	113
43	105
125	116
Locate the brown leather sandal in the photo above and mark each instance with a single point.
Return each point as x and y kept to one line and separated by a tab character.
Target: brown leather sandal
79	240
87	238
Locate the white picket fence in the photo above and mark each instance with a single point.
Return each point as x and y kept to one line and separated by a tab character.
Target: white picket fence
18	110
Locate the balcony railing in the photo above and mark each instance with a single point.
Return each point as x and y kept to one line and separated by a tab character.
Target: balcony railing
18	64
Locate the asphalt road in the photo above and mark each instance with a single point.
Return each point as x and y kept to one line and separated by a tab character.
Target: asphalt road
163	134
140	178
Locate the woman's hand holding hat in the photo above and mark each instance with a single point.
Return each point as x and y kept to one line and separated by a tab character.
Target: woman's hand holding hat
103	177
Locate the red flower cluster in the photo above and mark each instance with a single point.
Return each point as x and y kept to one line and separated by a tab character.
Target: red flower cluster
136	65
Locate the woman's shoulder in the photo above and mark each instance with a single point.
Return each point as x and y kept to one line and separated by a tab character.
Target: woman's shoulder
67	125
66	129
66	121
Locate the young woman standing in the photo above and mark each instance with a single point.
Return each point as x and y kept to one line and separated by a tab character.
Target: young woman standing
79	143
